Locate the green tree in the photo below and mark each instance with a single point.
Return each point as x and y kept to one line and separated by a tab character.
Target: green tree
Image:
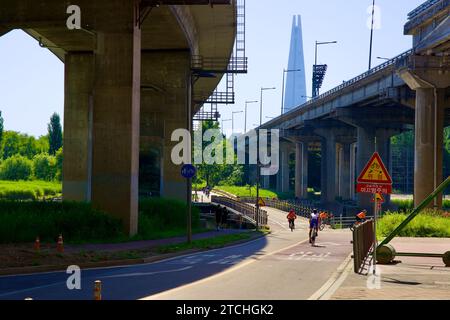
11	144
16	168
1	128
59	164
54	134
45	167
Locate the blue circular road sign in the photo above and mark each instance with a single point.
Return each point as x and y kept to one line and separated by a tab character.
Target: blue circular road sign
188	171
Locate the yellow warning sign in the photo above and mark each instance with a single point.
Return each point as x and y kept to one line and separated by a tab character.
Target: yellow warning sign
375	172
379	197
261	202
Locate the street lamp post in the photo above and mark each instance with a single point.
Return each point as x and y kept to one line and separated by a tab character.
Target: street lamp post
381	58
258	165
226	120
315	92
246	104
282	94
232	119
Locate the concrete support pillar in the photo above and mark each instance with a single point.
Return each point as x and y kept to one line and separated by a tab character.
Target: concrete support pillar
429	144
328	166
344	172
77	167
165	110
283	174
353	171
366	148
115	165
265	182
301	170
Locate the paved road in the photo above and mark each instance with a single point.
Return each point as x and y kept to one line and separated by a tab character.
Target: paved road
280	266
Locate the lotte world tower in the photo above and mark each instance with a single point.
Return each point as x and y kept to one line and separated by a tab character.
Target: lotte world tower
295	91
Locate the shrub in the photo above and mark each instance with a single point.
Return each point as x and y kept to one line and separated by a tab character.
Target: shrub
157	216
78	222
28	190
432	224
16	168
44	167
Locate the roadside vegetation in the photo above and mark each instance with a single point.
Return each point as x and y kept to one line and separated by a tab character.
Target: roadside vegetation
29	190
80	223
408	204
429	224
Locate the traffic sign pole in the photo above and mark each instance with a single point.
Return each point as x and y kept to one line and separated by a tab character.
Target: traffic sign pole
375	236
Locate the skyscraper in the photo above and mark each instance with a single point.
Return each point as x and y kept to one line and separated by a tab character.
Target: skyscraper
295	93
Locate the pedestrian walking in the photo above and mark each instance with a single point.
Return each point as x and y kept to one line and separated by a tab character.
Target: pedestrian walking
218	217
225	218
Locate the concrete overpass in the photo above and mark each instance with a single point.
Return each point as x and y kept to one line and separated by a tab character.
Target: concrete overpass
351	121
128	86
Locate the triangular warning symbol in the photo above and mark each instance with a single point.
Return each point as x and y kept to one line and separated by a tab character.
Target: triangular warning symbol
261	202
375	172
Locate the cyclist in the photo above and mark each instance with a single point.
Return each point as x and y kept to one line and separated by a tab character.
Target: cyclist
313	223
361	217
323	216
291	218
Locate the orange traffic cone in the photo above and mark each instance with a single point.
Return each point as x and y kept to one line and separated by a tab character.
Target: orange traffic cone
37	244
60	244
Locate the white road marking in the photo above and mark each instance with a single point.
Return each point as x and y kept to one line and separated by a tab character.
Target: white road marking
232	269
140	274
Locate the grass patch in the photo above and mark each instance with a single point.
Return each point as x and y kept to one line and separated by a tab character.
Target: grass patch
212	243
247	192
29	190
430	224
78	222
408	204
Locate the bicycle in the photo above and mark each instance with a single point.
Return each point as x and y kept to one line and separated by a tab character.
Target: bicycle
291	225
313	236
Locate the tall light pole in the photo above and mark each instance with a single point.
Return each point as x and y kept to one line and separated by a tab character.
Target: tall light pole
232	120
282	94
258	165
315	91
261	104
381	58
246	104
226	120
371	35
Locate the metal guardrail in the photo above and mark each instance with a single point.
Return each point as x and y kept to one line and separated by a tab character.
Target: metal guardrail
248	211
422	8
301	209
393	62
362	244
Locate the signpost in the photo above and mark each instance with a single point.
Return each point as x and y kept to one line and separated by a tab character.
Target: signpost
188	171
375	179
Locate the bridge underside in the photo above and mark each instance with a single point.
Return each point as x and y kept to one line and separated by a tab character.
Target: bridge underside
127	88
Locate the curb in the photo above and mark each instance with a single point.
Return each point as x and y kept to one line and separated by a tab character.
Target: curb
335	281
117	263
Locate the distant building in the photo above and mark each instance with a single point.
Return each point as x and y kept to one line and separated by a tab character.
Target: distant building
295	93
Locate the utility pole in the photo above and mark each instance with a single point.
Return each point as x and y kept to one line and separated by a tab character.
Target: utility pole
371	35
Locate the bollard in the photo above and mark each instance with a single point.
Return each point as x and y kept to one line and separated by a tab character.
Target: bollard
98	290
60	244
37	244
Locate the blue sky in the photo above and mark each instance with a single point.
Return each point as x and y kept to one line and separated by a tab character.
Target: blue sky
32	79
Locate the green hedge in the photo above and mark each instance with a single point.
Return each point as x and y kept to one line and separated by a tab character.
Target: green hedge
405	205
429	224
29	190
78	222
160	218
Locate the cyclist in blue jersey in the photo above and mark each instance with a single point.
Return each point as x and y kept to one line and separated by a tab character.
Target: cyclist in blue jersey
313	224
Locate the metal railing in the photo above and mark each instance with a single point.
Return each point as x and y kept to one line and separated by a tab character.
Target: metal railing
363	238
422	8
393	62
247	211
301	208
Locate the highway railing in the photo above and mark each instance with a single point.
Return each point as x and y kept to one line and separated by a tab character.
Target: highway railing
301	208
247	211
363	240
